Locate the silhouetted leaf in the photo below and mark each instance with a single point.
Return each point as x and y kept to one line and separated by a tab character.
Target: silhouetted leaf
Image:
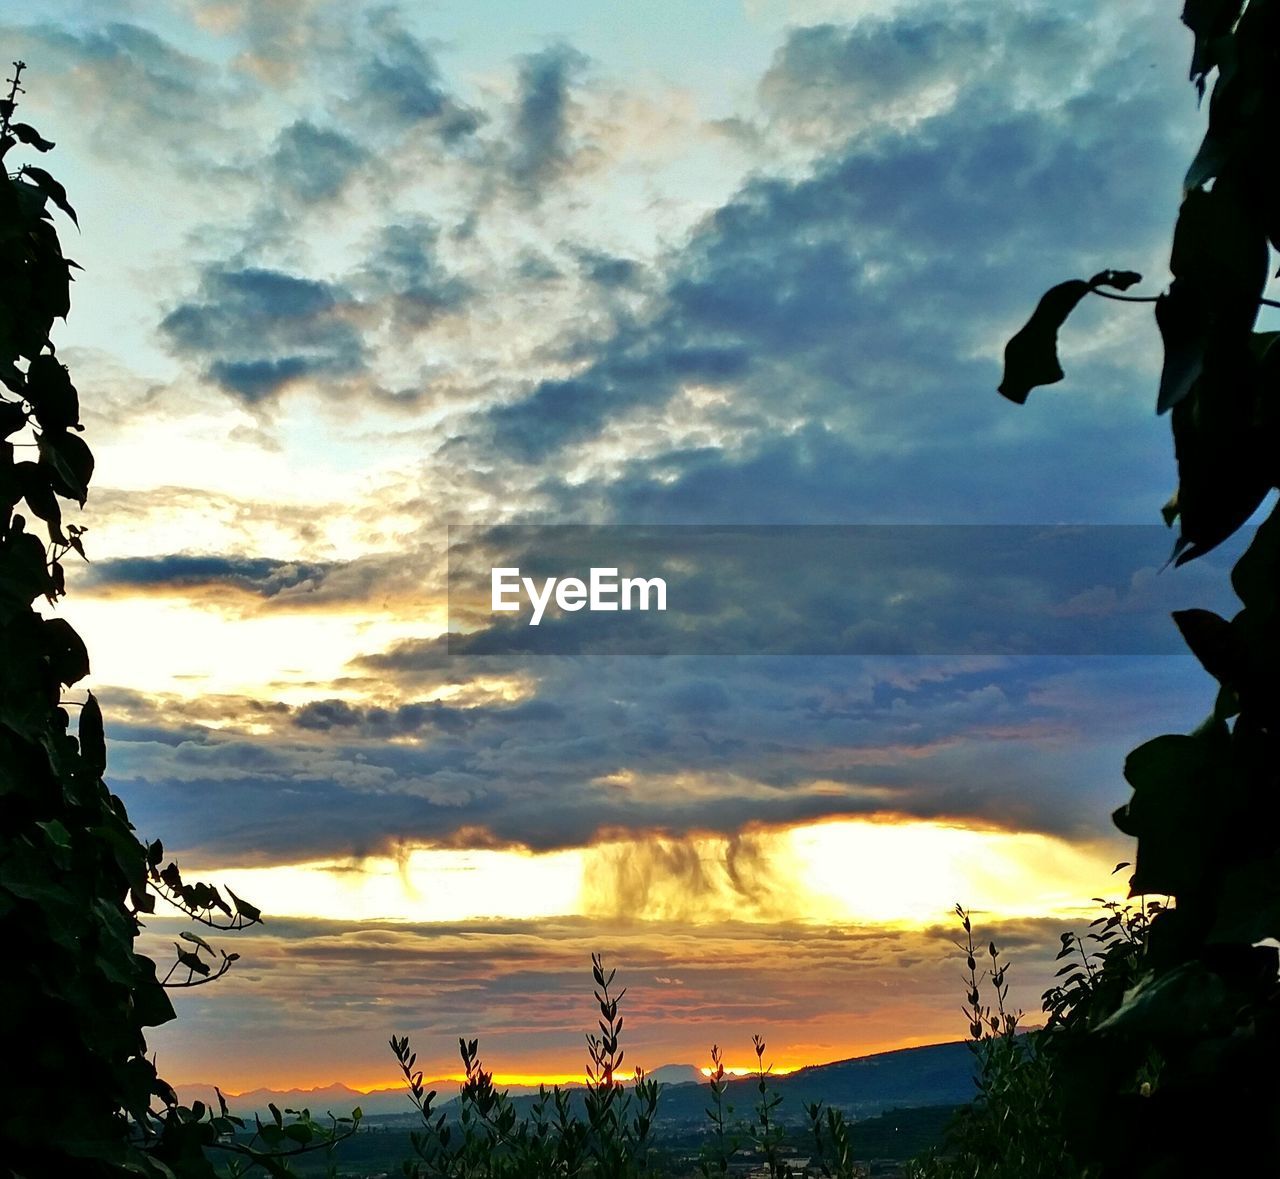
1184	1002
1210	639
1219	244
27	134
1209	20
70	463
35	488
65	651
51	393
93	745
12	418
23	573
1031	356
1257	573
1170	813
1223	465
52	189
191	961
1181	327
246	910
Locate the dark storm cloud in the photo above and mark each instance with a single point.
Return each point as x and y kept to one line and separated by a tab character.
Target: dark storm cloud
257	330
602	747
818	475
561	411
828	78
542	144
328	715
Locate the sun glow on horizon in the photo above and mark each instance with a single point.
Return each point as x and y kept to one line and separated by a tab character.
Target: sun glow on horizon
893	873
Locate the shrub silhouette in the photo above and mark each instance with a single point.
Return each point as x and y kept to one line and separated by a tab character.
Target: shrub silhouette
485	1139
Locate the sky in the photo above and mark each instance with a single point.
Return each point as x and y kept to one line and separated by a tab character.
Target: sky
355	273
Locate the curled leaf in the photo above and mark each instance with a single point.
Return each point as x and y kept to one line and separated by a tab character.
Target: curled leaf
1031	356
29	135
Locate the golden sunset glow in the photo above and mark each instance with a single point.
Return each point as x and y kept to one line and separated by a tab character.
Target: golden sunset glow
424	884
856	872
171	647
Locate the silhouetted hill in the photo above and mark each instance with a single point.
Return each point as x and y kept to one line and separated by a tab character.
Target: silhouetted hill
934	1075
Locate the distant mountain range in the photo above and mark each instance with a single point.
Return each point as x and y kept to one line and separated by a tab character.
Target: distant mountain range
937	1074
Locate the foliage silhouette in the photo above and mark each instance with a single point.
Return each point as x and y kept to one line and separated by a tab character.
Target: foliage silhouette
1013	1129
483	1138
489	1140
75	880
1180	1024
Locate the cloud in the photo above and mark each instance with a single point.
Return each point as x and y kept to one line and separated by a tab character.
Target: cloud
859	305
258	330
399	82
374	722
677	880
308	993
579	752
819	590
138	92
542	145
403	267
313	163
609	271
258	576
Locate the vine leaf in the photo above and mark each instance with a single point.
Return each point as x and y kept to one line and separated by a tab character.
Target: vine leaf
1181	329
52	189
51	393
1210	639
93	745
27	134
250	912
12	418
1031	356
65	651
1209	20
70	463
191	961
197	940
